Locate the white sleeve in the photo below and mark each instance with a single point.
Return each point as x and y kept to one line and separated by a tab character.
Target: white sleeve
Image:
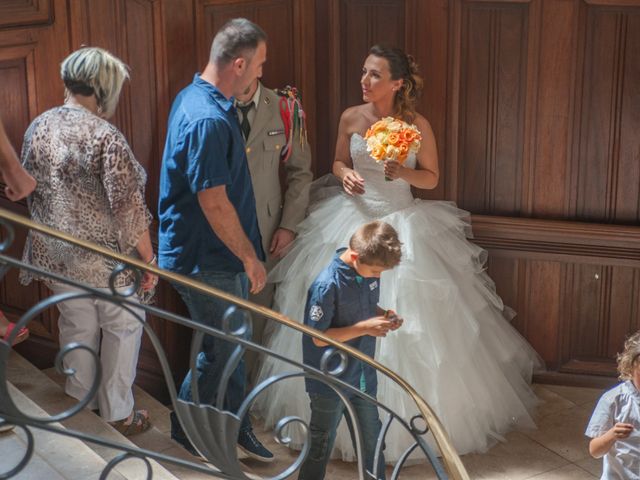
602	417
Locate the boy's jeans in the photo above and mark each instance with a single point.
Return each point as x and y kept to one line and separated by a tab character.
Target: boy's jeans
215	352
326	413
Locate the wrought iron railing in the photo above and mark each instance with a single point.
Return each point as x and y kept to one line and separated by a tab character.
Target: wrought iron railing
209	427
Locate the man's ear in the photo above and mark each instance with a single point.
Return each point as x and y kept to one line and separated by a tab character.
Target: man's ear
239	65
354	256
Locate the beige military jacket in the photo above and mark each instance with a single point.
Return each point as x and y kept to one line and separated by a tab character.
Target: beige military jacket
264	147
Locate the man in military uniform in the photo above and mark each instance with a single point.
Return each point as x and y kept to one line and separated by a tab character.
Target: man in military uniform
275	134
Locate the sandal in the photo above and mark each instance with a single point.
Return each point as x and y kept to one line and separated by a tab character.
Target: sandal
139	423
23	334
5	427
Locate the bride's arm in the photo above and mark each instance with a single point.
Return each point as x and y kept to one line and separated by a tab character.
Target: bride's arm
427	158
342	164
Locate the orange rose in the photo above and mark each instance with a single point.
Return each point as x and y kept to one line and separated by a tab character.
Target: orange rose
404	148
378	127
404	135
409	135
393	138
378	152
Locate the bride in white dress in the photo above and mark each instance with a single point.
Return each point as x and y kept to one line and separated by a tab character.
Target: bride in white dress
456	347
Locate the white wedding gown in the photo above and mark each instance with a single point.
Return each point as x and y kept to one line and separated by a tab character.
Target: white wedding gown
456	348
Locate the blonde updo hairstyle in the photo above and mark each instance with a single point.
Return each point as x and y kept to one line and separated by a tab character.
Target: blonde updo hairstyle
94	71
628	359
402	66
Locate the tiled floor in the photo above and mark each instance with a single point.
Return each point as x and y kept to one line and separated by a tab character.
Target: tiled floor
557	450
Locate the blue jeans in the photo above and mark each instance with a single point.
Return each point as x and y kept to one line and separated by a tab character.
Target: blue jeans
326	413
215	352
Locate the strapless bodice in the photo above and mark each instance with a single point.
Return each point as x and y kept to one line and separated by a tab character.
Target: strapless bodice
381	197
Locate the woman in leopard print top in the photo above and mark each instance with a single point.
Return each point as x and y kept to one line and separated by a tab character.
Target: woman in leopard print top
91	186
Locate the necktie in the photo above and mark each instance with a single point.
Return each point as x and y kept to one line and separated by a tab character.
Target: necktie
244	125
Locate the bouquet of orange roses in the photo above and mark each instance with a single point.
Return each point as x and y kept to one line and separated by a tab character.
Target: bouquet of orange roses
392	139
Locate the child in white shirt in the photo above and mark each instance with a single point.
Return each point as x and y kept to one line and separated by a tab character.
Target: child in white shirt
614	427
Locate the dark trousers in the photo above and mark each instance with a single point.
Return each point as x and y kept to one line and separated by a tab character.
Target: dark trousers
215	352
326	413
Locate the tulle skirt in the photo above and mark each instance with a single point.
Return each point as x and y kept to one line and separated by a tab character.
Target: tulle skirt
456	346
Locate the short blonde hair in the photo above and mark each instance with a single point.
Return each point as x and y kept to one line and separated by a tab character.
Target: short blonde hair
377	243
628	359
94	71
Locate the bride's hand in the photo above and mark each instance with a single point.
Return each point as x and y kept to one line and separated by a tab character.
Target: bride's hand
392	169
352	183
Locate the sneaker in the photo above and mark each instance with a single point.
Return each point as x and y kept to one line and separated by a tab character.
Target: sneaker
250	445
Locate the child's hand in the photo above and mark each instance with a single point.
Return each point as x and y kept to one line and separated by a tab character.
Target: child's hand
376	326
395	319
622	430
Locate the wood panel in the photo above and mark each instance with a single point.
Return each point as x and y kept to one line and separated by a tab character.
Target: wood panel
18	96
427	39
606	156
535	105
574	286
493	40
22	13
551	82
567	82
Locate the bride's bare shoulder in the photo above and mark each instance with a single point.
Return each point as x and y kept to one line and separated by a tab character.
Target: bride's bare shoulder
423	124
351	119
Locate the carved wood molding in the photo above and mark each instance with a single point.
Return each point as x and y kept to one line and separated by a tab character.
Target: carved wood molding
23	13
24	56
614	3
561	240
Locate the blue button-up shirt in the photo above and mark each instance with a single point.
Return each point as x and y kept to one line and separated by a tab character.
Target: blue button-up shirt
204	149
339	297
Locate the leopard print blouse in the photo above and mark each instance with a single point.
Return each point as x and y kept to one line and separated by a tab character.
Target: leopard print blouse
89	185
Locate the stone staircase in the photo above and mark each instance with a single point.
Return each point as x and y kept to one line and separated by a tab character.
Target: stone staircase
56	457
60	457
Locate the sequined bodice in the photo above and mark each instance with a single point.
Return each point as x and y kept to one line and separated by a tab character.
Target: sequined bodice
381	197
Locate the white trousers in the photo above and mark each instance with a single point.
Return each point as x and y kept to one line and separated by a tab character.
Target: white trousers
82	321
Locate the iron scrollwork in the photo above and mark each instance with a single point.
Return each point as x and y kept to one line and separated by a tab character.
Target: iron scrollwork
212	429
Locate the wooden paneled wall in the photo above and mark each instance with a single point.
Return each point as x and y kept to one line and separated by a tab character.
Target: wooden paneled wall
534	103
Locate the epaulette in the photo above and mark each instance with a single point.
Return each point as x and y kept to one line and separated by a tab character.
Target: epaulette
293	118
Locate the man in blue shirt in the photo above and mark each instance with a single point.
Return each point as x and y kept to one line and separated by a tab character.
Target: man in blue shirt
343	303
207	212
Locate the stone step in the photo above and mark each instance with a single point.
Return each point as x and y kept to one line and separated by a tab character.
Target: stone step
158	437
55	456
48	395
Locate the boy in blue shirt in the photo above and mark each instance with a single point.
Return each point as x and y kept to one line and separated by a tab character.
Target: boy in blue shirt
343	303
